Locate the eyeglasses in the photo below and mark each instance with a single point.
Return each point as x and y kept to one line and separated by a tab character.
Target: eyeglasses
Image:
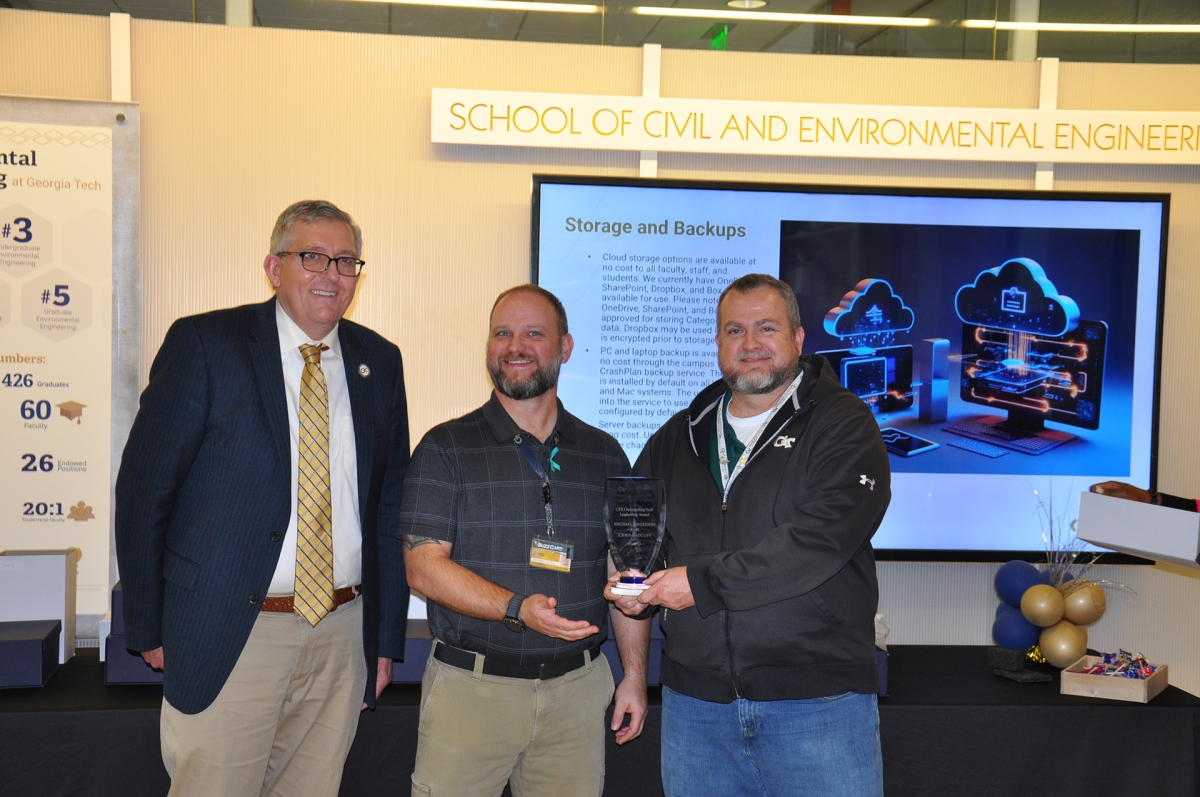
315	261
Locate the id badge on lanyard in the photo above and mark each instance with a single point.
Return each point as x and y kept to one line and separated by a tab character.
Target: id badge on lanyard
728	477
549	552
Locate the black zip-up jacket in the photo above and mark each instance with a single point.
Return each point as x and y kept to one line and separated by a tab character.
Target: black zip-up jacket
784	575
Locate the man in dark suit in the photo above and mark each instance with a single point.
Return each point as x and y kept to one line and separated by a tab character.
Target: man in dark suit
256	516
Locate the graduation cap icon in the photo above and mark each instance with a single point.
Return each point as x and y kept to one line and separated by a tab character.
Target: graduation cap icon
71	410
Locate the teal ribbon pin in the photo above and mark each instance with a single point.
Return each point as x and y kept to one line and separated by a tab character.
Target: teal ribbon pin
554	465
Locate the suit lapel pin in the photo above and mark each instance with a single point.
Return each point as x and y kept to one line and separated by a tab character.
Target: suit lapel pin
364	371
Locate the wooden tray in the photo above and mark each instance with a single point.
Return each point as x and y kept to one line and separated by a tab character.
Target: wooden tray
1135	690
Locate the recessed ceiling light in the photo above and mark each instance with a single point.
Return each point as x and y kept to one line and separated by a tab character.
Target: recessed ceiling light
780	16
746	4
501	5
1080	27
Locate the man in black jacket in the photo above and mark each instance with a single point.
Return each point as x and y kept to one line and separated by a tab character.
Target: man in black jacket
776	478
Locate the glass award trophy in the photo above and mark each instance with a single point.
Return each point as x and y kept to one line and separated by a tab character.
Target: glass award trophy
635	519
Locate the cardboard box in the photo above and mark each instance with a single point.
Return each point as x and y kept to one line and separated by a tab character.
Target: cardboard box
28	652
1151	532
123	667
1134	690
105	630
38	585
118	611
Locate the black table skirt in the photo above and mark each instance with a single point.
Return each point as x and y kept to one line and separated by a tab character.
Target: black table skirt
949	727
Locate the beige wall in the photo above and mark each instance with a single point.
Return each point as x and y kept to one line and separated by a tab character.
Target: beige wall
64	56
238	122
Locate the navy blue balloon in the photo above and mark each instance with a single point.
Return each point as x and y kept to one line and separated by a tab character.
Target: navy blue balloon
1013	578
1003	607
1012	630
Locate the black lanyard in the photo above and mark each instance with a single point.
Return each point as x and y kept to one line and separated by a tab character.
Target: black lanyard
527	452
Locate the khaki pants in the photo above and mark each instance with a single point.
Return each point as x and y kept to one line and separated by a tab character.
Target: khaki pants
283	722
544	738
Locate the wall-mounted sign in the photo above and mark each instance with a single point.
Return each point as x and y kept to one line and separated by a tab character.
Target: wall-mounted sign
56	258
735	127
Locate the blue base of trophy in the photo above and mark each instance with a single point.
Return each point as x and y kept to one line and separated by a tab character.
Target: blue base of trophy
630	585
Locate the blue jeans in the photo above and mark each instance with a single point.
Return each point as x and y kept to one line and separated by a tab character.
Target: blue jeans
824	747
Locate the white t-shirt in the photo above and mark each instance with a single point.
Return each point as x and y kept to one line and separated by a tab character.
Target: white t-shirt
745	428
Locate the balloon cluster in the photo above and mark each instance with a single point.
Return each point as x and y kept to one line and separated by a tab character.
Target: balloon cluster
1053	617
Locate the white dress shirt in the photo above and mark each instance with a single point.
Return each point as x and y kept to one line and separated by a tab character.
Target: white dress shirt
343	462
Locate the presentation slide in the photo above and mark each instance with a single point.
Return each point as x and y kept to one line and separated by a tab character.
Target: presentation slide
1006	345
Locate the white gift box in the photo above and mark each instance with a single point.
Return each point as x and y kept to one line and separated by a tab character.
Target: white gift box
40	585
1145	530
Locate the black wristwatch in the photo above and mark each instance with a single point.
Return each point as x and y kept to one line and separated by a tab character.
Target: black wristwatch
512	618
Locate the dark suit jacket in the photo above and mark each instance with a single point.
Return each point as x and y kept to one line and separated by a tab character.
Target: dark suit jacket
204	495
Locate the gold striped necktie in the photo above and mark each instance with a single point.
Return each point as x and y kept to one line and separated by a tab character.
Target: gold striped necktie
314	509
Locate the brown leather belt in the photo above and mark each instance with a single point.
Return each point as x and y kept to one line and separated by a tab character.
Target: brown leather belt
288	604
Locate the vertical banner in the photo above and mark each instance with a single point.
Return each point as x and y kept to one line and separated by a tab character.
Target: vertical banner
56	344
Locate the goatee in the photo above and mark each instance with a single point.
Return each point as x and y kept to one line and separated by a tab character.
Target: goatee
764	383
536	385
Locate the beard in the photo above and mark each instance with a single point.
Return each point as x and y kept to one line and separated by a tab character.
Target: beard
764	383
544	378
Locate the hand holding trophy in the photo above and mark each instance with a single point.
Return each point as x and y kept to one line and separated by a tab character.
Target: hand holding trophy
635	520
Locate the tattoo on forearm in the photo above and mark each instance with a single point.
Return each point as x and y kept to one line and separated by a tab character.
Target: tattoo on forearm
415	540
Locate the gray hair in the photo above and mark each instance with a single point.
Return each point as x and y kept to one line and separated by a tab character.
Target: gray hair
753	281
308	211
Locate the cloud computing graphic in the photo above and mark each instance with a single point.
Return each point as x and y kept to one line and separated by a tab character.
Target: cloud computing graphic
1026	351
1017	296
871	310
978	349
873	367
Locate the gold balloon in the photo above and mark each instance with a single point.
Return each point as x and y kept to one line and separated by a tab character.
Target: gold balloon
1063	643
1084	601
1042	605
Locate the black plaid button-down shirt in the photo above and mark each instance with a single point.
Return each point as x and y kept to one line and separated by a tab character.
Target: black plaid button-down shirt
469	485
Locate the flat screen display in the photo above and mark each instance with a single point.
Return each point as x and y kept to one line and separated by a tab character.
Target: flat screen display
1007	342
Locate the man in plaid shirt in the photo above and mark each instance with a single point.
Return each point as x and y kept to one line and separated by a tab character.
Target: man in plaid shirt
502	518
